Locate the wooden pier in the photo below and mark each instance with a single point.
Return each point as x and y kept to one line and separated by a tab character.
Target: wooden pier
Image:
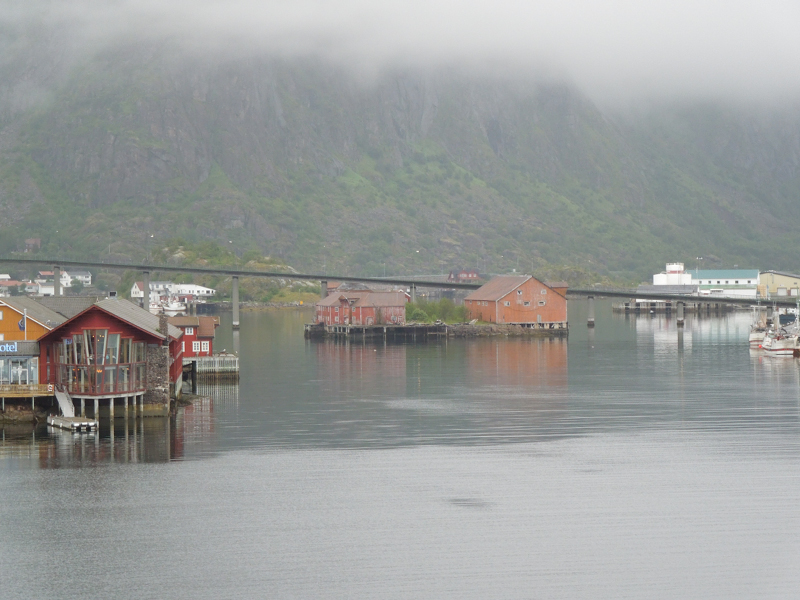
407	333
219	367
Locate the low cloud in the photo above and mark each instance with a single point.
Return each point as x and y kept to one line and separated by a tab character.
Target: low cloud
612	50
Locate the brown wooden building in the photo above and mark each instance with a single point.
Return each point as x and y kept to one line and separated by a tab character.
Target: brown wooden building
362	308
519	299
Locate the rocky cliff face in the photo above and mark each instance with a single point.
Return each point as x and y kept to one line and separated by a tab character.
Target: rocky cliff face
306	161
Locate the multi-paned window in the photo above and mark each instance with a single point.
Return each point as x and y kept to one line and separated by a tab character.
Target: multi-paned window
204	346
195	346
190	331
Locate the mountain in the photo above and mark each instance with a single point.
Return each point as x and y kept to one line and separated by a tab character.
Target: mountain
411	171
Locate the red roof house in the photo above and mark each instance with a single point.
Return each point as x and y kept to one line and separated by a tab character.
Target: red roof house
362	308
198	334
518	299
114	349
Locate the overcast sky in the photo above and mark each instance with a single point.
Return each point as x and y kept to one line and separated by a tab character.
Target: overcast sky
610	49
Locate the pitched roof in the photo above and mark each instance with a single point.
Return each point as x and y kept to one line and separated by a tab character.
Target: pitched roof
69	306
336	297
139	317
36	311
365	298
784	273
208	326
382	299
184	321
498	287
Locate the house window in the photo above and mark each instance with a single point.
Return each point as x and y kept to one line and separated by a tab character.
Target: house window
726	281
195	346
2	337
183	346
542	303
737	281
204	346
544	292
526	303
717	281
519	292
190	331
337	309
336	320
748	281
507	303
1	315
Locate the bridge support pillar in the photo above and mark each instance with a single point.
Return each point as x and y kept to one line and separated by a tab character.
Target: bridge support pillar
194	377
111	410
146	290
56	280
96	414
680	314
413	292
590	319
323	289
83	408
125	414
235	302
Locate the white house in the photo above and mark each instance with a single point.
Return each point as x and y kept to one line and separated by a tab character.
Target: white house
191	289
85	277
157	288
727	282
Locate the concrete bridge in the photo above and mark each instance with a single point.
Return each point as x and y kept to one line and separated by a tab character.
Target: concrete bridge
411	282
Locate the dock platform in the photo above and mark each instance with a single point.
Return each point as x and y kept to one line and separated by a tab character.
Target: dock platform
413	332
72	423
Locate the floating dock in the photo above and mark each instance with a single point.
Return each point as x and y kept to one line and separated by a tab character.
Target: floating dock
72	423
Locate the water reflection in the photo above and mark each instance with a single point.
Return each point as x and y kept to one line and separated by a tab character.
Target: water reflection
191	431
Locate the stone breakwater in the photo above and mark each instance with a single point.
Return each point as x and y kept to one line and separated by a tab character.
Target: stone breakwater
467	330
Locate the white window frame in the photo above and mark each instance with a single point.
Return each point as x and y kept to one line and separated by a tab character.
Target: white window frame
183	346
195	346
542	302
507	303
190	331
204	346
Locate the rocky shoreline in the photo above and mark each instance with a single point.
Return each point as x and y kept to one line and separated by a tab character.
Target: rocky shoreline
463	330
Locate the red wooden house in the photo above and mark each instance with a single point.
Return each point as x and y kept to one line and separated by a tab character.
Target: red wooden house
362	308
198	334
519	299
114	349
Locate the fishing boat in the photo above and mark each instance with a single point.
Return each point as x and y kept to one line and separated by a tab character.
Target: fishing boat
779	342
758	329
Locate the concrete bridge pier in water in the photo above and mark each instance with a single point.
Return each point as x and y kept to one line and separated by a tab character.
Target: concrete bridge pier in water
590	319
56	280
235	302
680	314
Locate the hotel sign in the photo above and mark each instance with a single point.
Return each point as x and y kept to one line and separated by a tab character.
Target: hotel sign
19	348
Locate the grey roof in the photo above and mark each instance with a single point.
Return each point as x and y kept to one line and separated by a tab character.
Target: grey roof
141	318
36	311
784	273
69	306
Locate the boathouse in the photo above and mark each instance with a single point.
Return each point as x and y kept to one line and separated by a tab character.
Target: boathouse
519	300
114	351
363	308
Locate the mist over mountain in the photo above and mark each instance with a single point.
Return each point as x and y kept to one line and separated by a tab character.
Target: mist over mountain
306	145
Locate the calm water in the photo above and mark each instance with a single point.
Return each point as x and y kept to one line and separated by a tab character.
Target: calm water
629	462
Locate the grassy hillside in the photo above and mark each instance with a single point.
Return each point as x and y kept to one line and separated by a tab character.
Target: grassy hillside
415	173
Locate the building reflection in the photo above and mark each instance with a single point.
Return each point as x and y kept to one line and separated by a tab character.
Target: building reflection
360	368
523	362
192	430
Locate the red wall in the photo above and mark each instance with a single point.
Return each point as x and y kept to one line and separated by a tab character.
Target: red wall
96	318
